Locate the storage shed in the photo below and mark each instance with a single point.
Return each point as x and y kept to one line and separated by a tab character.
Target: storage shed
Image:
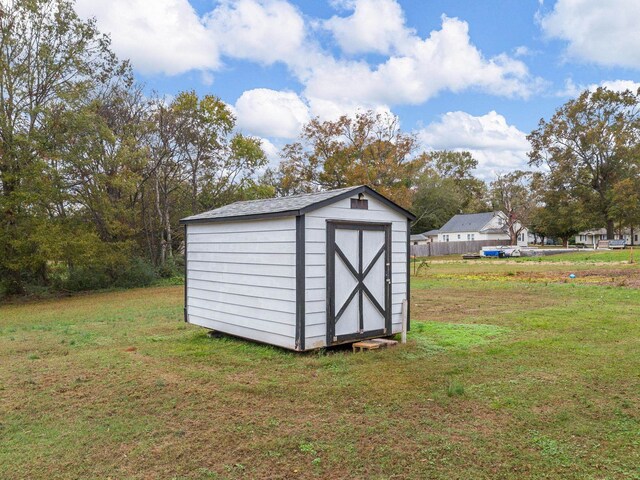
301	272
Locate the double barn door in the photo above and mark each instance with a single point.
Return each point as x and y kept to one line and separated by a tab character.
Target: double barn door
358	281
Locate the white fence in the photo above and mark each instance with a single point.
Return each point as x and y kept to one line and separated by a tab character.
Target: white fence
435	249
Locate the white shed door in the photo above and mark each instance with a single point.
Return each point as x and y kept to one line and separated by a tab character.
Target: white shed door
358	281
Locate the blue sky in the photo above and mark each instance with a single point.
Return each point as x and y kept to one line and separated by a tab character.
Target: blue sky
460	74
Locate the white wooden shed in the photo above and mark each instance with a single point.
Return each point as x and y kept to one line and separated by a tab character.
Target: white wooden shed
301	272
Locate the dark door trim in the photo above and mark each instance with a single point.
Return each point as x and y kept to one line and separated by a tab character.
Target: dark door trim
300	282
359	272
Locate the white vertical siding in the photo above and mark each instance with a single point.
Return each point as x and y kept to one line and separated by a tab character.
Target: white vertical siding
315	259
241	278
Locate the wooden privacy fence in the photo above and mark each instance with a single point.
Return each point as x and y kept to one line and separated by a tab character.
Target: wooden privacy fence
436	249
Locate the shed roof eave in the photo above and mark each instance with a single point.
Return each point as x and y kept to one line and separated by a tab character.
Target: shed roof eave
306	209
238	218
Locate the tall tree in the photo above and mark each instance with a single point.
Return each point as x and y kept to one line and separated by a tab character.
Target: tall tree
449	164
368	149
196	163
512	194
93	173
202	127
47	55
625	204
558	214
447	187
591	143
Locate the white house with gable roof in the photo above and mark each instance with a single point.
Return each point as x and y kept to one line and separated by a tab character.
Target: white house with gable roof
480	226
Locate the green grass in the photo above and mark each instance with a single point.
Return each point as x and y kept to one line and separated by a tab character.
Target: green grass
587	256
511	372
578	257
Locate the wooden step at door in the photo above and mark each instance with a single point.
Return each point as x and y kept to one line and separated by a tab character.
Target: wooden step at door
373	344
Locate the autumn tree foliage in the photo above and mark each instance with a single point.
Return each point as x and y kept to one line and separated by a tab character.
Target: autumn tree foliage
590	145
512	194
447	186
94	174
558	213
367	149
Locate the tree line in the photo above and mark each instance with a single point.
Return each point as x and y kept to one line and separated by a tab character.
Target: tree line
95	173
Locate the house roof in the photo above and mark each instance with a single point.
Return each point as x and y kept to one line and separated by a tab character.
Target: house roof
470	222
594	231
431	232
417	236
288	206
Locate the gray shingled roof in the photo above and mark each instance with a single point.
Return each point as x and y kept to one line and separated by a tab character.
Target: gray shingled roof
417	237
292	205
471	222
431	233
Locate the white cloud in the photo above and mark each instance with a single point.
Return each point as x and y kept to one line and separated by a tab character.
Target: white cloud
171	38
571	89
271	113
522	51
167	37
332	110
207	78
271	151
602	32
374	26
446	60
618	85
262	31
498	146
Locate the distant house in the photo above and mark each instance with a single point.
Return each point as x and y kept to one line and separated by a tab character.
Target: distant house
431	235
591	237
424	238
479	226
418	239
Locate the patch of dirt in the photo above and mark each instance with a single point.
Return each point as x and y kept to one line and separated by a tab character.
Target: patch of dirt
618	277
609	277
455	304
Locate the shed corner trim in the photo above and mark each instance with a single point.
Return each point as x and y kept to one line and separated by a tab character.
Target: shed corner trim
300	282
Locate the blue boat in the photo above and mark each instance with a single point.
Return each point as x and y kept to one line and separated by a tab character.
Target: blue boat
492	252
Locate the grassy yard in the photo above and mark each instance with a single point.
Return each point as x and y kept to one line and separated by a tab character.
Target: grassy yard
512	370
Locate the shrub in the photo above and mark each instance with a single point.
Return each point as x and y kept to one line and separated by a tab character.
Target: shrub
132	273
138	273
173	267
86	278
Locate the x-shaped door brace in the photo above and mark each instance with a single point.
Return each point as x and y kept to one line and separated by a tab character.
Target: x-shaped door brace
359	276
